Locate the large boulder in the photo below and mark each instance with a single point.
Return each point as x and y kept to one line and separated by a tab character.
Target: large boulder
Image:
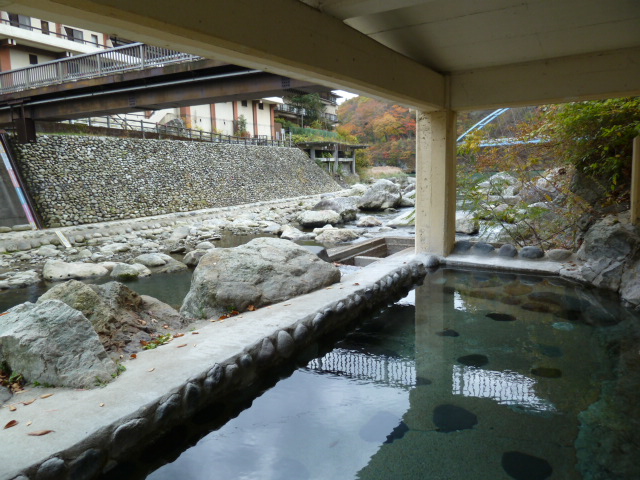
120	316
334	236
55	271
52	343
381	195
610	255
319	218
347	207
261	272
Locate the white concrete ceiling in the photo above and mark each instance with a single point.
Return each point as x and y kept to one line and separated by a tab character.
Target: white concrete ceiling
458	35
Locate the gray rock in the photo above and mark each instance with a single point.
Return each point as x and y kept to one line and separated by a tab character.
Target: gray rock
319	218
347	207
124	271
466	223
483	249
119	315
113	248
368	221
508	250
5	394
205	246
23	279
382	195
50	342
285	344
55	270
192	258
531	252
292	233
48	251
559	254
172	266
333	236
261	272
153	259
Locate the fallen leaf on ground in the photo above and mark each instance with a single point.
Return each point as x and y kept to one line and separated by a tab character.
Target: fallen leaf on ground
101	405
165	326
134	356
40	433
286	304
151	369
29	423
178	335
46	395
28	402
195	333
12	423
183	345
252	308
12	408
356	284
223	317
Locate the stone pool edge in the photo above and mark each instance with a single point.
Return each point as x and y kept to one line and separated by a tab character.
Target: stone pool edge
95	429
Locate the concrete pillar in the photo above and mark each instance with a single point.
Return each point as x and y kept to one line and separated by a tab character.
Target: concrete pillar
435	182
312	153
635	182
336	159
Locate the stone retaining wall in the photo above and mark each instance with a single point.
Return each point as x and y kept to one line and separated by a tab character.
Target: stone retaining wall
78	179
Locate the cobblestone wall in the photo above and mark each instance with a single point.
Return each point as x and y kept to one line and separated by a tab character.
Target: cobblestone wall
75	180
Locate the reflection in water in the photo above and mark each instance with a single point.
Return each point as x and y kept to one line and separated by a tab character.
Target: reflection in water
359	366
506	388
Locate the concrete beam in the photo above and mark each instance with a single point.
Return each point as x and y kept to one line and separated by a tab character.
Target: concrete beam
280	36
435	182
558	80
258	85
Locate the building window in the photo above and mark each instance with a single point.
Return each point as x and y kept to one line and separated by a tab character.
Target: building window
94	39
21	21
74	35
33	59
244	103
44	26
261	106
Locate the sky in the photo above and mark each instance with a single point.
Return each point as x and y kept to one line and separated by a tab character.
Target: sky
344	94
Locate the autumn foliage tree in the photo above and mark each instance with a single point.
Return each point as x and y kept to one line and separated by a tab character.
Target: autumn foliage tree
389	129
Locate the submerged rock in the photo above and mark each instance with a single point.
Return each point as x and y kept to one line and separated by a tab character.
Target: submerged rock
522	466
261	272
473	360
451	418
52	343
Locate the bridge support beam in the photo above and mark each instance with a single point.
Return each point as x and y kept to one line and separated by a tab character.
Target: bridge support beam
26	129
435	182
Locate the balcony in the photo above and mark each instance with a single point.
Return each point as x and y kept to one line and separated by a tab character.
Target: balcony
19	28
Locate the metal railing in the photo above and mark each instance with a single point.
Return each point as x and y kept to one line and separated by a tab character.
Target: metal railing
287	108
135	56
171	131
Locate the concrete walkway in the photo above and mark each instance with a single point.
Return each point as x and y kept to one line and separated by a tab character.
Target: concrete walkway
91	430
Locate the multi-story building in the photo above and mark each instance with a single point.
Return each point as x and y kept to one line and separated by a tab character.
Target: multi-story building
27	41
